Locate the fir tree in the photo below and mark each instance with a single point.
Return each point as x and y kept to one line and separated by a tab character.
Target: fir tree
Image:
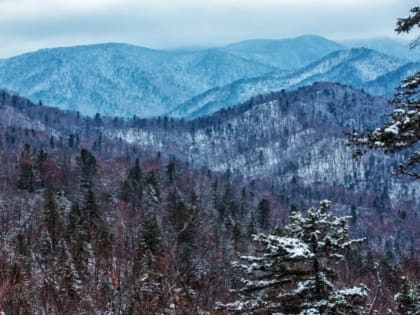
184	221
402	131
132	187
295	273
263	213
52	219
88	169
150	236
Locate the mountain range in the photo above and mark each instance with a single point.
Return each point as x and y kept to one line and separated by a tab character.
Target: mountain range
357	67
287	54
125	80
291	142
281	137
287	133
392	47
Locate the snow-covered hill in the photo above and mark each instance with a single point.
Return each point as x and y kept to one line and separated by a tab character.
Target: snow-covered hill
119	79
289	54
386	84
389	46
356	67
283	135
125	80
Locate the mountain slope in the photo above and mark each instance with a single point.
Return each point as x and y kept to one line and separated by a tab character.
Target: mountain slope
386	84
119	79
293	142
288	54
392	47
282	135
354	67
124	80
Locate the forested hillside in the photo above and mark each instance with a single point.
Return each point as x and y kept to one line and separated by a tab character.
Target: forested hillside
111	216
124	80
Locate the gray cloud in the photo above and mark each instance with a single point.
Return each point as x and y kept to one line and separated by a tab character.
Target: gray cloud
31	24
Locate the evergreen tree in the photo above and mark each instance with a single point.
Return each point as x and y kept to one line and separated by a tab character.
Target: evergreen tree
74	218
295	273
52	219
95	225
88	169
184	221
90	214
263	211
150	235
75	234
132	187
26	180
402	131
170	171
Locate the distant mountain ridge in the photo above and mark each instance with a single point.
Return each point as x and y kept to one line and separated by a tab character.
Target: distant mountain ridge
285	135
120	79
355	67
392	47
126	80
287	54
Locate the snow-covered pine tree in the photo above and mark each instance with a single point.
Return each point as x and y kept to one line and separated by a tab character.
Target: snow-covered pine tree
402	131
295	273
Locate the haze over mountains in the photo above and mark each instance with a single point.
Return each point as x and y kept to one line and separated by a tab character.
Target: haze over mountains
124	80
356	67
392	47
287	54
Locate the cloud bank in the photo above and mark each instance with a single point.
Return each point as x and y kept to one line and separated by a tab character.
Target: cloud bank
33	24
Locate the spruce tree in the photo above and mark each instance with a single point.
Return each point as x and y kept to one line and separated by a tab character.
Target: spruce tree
88	169
295	273
402	132
132	187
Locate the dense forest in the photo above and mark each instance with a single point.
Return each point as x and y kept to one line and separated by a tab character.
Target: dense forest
92	224
261	208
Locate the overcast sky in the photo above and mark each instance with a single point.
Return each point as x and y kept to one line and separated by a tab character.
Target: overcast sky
27	25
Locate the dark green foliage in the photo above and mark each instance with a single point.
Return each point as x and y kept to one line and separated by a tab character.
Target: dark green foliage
27	178
41	157
150	235
353	213
184	220
94	226
170	171
405	25
402	131
76	235
52	142
263	211
74	219
52	219
88	168
295	273
71	141
90	212
132	187
227	206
